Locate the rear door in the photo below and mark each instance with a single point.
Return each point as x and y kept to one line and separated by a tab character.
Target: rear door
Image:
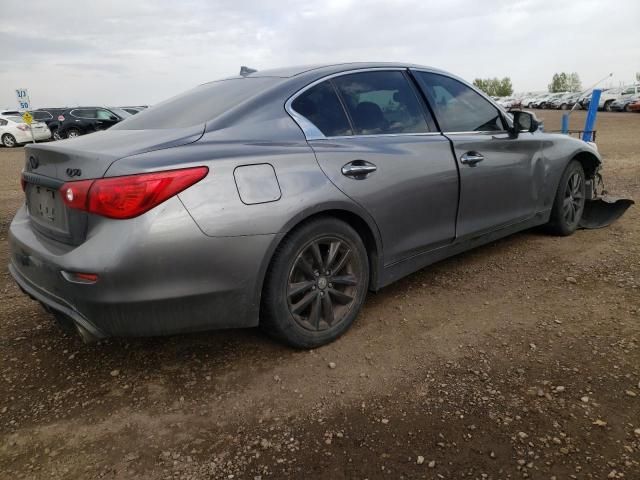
379	146
501	177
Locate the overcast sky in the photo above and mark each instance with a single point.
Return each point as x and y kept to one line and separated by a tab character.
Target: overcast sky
122	52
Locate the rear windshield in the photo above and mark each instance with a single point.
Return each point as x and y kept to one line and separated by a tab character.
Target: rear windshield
197	106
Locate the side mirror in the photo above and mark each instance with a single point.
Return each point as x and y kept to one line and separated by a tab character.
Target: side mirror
523	122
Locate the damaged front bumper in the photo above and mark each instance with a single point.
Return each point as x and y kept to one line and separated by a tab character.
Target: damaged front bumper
600	208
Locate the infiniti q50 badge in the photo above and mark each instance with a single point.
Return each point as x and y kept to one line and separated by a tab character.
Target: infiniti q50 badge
74	172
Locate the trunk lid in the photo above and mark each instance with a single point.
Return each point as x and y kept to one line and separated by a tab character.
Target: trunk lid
90	156
48	166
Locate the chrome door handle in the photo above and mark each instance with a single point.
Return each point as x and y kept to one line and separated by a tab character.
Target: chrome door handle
471	158
358	169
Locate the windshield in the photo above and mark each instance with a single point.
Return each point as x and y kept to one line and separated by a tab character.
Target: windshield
197	106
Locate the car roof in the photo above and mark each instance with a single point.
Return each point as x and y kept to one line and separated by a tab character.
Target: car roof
328	69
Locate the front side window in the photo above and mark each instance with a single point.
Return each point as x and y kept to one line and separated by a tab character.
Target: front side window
457	107
321	106
381	103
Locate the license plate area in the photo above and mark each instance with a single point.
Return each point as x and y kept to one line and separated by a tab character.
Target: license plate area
47	208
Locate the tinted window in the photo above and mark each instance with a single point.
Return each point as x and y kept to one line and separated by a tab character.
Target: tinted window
457	107
89	113
320	105
381	102
197	106
104	115
42	115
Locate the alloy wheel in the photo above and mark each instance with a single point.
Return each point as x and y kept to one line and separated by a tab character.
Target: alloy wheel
573	203
8	141
323	283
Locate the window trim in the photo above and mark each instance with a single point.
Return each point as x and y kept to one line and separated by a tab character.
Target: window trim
311	132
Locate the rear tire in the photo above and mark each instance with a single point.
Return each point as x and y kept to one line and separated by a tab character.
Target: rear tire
9	140
316	284
73	133
568	205
55	135
607	105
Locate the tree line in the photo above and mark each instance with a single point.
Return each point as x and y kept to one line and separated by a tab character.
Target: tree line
502	87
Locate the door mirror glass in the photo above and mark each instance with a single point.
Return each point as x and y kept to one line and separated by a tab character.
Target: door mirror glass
524	122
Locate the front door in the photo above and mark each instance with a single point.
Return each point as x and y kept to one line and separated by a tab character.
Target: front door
384	155
500	176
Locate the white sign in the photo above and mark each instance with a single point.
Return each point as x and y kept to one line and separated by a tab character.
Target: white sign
23	99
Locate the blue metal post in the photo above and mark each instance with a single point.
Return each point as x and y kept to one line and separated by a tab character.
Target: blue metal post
590	122
565	123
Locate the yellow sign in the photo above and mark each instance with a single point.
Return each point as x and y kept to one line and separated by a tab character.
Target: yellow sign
27	117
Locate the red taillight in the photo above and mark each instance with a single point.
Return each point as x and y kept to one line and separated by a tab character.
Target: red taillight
23	184
61	118
129	196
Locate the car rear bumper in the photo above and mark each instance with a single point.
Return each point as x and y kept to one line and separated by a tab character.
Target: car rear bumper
161	276
25	137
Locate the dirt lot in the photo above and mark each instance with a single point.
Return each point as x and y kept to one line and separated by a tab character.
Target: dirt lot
520	359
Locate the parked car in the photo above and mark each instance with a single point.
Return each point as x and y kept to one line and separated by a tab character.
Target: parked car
14	131
529	100
77	121
634	106
50	117
623	104
541	101
281	197
607	97
564	102
508	102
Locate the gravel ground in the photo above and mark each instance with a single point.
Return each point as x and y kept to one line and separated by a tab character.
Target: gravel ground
520	359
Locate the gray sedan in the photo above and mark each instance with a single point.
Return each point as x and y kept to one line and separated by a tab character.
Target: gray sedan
280	198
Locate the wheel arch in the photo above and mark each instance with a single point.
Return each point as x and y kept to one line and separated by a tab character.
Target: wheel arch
590	162
363	225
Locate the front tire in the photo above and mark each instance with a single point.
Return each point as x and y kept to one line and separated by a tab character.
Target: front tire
607	105
9	140
568	205
316	284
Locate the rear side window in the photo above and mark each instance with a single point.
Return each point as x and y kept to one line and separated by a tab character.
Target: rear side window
381	103
457	107
197	106
320	105
88	113
42	115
